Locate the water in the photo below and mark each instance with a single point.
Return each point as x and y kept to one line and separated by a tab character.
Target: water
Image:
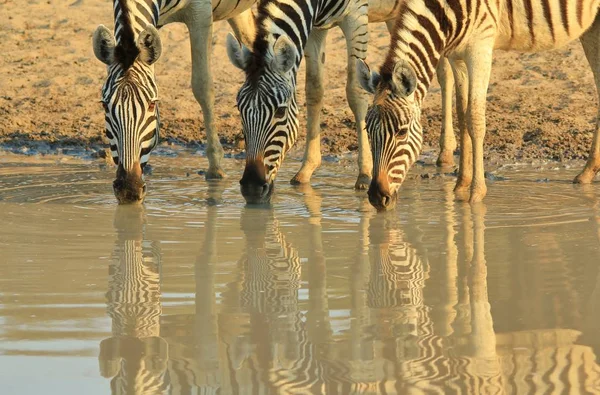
195	293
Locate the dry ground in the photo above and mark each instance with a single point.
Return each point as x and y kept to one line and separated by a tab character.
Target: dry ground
539	105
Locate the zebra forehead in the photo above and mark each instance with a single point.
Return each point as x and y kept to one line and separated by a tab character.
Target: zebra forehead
263	94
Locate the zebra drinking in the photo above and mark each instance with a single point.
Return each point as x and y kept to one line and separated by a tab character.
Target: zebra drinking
286	31
130	93
466	32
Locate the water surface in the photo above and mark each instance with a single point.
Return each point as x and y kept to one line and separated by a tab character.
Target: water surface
196	293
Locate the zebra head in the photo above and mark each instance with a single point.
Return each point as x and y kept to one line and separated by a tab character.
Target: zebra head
393	127
129	98
268	109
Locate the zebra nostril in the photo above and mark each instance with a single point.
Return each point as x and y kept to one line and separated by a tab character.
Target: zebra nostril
265	189
386	200
117	184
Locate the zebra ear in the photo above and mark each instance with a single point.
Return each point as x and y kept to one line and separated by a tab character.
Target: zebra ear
104	45
285	55
149	45
367	79
237	52
404	78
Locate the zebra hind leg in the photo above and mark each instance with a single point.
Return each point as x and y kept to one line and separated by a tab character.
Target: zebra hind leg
315	59
447	138
200	28
591	46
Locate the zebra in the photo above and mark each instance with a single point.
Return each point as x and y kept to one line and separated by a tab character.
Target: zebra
130	93
135	356
466	32
267	99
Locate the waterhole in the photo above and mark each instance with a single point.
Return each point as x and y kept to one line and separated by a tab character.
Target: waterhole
194	292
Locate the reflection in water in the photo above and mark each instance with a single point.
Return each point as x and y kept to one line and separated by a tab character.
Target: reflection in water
410	320
135	356
312	296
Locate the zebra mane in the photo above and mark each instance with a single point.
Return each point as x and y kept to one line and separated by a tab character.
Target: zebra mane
387	68
257	62
126	50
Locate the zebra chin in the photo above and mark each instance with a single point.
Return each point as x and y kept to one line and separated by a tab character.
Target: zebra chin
129	186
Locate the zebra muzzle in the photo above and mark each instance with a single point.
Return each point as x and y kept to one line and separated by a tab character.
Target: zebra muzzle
380	195
129	186
254	185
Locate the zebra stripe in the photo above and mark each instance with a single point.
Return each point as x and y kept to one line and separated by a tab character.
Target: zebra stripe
427	30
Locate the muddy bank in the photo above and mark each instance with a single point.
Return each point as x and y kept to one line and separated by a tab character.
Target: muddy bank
540	106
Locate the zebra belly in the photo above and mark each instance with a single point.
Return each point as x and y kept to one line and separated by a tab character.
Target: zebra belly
547	24
225	9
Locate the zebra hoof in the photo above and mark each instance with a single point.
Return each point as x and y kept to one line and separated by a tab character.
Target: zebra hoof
585	177
446	159
362	183
215	174
300	179
478	192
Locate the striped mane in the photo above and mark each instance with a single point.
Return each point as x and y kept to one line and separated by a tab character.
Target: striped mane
260	48
126	51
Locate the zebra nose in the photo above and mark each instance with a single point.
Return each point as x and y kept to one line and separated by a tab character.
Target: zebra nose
379	195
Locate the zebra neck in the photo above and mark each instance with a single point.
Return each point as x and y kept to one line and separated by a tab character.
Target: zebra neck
423	32
291	18
132	16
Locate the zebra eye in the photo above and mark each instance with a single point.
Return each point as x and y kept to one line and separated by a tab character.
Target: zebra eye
402	131
280	112
104	105
152	106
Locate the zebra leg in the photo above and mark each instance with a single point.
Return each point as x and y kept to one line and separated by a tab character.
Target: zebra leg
591	46
447	138
356	31
244	27
479	65
465	169
200	27
315	59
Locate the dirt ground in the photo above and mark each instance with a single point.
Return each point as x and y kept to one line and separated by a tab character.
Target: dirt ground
539	105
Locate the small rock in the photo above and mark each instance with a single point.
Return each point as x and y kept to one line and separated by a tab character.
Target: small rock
201	172
493	177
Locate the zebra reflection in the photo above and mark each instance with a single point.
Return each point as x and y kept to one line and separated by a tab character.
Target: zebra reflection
135	356
423	326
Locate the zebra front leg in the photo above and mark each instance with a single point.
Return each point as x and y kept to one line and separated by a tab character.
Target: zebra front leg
479	65
447	138
465	169
356	32
315	59
200	28
591	46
